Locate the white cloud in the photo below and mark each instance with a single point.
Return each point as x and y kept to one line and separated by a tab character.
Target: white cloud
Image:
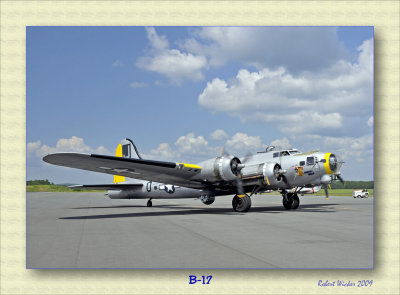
138	84
73	144
33	146
370	121
306	103
157	42
117	63
219	134
162	152
172	63
243	141
296	48
360	148
190	144
283	143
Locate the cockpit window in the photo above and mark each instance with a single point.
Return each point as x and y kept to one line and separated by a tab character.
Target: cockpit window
292	152
310	161
276	155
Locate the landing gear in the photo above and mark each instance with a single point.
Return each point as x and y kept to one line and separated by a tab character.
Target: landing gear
296	201
149	203
241	204
290	201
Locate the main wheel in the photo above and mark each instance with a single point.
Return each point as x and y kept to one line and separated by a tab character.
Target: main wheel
287	201
287	204
242	204
296	201
149	203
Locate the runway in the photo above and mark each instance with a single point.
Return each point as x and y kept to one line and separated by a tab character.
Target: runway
89	230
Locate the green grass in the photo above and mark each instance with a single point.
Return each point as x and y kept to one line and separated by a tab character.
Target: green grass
342	192
55	188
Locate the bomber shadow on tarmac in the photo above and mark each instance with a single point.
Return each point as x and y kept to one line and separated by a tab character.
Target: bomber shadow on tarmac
86	230
190	211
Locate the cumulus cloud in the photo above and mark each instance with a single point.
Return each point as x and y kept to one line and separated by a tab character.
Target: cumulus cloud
172	63
191	144
73	144
163	152
370	121
243	141
219	134
296	48
33	146
359	148
283	143
189	147
306	103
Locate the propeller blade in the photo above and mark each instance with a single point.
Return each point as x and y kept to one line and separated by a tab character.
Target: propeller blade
340	178
285	180
223	152
248	156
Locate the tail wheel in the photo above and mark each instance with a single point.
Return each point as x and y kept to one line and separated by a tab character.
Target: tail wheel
242	204
149	203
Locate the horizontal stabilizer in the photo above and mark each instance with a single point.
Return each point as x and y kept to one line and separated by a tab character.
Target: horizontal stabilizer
117	186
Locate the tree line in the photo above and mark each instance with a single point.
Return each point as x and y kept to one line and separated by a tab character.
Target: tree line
335	185
353	185
39	182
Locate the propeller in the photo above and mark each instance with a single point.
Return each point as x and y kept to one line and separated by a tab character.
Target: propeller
236	167
280	173
247	157
328	184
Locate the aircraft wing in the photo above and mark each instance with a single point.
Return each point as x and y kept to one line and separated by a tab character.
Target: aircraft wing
159	171
115	186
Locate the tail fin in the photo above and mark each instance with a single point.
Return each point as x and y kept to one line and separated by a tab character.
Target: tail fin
126	149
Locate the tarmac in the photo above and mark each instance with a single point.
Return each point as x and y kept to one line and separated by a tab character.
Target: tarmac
89	230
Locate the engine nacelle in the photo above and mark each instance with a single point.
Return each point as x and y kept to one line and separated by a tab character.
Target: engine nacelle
224	168
119	194
268	174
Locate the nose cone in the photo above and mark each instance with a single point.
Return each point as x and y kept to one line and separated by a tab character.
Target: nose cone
333	163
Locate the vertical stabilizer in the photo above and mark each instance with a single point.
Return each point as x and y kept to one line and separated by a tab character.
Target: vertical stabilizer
126	149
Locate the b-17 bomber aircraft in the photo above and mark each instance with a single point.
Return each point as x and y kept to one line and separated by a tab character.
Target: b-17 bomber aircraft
285	170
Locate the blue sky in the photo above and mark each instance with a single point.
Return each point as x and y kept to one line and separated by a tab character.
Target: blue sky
183	92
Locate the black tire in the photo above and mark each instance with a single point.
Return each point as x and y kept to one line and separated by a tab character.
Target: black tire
287	203
207	199
242	204
149	203
296	201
